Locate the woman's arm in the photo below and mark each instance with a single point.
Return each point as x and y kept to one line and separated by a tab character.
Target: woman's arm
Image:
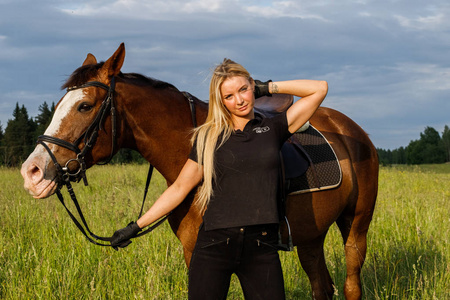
189	177
311	92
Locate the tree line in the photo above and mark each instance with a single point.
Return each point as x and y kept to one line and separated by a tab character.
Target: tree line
19	137
430	148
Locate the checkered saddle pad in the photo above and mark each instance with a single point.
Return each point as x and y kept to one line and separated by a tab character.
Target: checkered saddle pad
309	150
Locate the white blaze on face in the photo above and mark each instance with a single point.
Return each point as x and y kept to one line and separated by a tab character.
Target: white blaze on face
65	106
39	179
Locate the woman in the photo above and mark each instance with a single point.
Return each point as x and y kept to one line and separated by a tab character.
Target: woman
235	159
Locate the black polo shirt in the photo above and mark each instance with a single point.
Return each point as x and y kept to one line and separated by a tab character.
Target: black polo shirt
247	169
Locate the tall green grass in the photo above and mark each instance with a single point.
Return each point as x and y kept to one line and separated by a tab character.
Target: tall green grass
44	256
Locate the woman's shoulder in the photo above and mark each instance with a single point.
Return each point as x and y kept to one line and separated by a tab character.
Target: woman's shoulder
279	118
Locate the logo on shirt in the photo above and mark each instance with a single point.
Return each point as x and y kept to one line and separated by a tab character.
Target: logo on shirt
261	129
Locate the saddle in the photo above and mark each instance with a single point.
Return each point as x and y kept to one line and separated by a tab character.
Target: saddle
309	163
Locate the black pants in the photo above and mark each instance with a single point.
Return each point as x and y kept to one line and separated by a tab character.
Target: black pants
249	252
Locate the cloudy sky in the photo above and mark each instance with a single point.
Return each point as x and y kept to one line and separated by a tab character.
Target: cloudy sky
386	61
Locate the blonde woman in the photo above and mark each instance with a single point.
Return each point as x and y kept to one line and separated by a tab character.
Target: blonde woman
235	159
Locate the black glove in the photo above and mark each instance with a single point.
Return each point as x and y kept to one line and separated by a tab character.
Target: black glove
121	238
262	89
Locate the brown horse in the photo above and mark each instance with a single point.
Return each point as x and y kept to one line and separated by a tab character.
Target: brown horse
154	118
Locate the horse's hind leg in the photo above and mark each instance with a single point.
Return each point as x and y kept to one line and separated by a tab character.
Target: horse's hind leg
312	258
354	233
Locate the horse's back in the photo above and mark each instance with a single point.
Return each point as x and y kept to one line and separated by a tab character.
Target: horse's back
348	139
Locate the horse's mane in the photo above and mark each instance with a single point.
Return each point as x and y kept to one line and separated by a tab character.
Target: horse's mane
85	73
141	79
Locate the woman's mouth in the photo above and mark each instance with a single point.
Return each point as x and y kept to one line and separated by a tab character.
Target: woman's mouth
242	108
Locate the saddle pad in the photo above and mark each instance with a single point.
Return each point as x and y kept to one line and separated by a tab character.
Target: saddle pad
327	173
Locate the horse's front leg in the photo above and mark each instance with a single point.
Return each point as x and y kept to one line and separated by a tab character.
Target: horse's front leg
187	256
188	239
185	222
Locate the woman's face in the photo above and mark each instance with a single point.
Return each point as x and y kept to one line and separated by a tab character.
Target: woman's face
237	96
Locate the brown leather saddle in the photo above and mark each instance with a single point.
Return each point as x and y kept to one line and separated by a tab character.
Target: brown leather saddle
309	162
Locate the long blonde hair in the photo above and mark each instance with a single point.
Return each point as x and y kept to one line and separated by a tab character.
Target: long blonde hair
218	124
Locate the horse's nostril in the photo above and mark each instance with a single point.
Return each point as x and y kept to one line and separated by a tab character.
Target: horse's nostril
35	173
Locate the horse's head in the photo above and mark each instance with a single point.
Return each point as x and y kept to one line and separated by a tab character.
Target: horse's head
81	131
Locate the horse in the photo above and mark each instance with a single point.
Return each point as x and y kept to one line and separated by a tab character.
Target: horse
154	118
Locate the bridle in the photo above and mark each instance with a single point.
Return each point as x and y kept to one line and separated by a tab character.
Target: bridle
65	176
89	136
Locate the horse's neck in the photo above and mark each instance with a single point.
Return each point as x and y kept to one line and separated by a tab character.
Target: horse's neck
160	124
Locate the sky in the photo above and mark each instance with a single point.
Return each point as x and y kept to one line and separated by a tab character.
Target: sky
386	61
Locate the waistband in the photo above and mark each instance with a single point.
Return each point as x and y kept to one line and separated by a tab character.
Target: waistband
245	229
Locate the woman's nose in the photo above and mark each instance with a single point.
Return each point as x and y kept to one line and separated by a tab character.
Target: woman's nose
239	99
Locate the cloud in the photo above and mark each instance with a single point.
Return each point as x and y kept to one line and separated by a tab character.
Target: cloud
391	99
172	10
386	61
168	10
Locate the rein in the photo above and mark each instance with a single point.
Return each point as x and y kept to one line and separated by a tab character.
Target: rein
65	176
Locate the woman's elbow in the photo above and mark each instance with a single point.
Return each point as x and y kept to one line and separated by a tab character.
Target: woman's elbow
324	87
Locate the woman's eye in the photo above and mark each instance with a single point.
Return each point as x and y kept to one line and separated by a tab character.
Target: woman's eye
84	107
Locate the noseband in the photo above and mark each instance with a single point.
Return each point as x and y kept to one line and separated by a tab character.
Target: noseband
89	137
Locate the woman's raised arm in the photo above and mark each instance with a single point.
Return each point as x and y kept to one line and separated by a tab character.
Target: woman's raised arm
311	92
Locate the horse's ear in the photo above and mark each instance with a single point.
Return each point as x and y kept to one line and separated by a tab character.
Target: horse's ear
115	62
90	60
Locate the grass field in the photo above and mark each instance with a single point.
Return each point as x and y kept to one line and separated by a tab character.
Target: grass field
44	256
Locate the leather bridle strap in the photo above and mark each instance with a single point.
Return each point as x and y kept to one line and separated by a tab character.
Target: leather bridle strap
190	98
86	230
90	137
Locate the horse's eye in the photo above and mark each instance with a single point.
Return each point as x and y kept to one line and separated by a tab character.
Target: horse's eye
84	107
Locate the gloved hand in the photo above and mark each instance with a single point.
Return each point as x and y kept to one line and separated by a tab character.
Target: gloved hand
262	89
121	238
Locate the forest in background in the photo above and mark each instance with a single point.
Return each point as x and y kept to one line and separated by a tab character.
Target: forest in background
430	148
18	139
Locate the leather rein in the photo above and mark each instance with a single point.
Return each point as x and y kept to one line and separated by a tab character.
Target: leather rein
65	176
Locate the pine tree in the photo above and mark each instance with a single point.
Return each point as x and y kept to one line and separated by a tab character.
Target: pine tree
43	119
18	139
1	133
2	148
446	142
